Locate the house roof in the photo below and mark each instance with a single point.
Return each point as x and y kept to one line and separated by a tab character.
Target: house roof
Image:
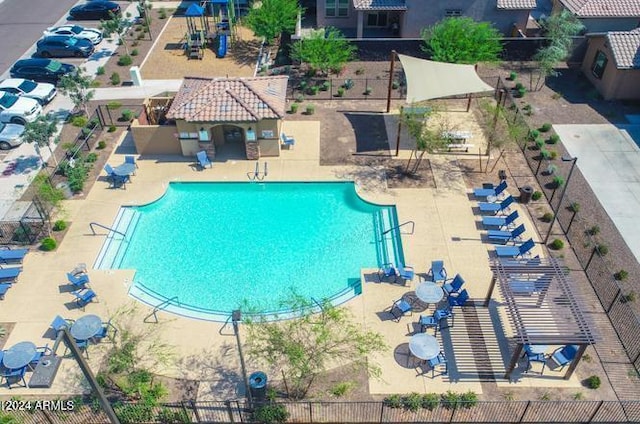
516	4
625	46
379	5
230	99
603	8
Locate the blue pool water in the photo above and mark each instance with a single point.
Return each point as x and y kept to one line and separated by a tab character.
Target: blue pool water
223	246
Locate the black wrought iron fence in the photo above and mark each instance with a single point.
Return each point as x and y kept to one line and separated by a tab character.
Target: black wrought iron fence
117	114
310	89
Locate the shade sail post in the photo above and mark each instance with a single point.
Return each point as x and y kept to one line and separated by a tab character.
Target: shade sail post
514	360
390	86
398	136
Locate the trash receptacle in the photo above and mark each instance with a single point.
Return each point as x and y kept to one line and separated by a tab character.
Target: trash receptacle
66	191
502	174
525	194
258	385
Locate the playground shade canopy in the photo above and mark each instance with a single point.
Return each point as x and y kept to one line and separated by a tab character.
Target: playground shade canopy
428	80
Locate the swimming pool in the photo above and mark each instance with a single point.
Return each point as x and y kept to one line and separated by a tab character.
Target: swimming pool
216	247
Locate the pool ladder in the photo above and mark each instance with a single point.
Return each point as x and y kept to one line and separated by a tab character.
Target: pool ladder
257	175
106	228
397	227
160	307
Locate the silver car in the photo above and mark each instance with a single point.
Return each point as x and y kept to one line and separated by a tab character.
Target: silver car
10	135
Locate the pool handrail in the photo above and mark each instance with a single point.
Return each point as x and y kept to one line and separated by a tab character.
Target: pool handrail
91	224
397	227
160	307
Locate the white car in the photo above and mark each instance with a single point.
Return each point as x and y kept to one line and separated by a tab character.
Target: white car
10	135
18	110
91	34
42	92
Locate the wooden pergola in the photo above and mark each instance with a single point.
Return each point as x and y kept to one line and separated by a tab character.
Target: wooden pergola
541	306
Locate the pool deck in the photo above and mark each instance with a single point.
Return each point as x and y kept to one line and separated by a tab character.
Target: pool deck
446	227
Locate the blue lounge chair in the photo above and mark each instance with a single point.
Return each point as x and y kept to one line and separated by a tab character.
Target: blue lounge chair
203	159
78	281
40	352
83	296
564	355
495	191
437	272
12	376
502	236
534	357
515	251
454	286
9	275
459	300
287	141
59	323
500	221
399	308
438	360
387	271
496	208
12	255
405	272
4	288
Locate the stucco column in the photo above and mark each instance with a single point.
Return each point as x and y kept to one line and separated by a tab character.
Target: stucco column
360	29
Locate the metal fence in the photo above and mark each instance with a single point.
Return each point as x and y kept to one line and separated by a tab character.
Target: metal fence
600	268
349	412
118	115
310	89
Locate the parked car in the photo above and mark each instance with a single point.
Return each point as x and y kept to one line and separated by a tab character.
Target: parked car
64	46
41	70
91	34
42	92
18	110
10	135
95	10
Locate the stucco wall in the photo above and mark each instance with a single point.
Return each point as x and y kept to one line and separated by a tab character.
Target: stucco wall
155	139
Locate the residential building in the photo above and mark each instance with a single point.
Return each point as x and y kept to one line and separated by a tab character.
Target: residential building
603	15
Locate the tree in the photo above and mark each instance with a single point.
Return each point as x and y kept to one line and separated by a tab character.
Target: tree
270	18
77	86
116	24
324	51
558	28
306	346
427	138
40	132
462	40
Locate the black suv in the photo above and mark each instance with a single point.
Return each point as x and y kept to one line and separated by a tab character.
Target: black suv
41	70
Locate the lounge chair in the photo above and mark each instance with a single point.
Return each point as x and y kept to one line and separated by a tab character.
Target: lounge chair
81	268
59	323
496	208
83	296
405	272
287	141
4	288
534	357
399	308
387	271
437	272
494	191
564	355
12	255
454	286
501	236
460	299
515	251
203	159
500	221
9	275
78	281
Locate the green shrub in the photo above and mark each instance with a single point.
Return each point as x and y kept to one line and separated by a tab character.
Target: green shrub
114	105
135	43
310	109
574	207
91	157
621	275
348	84
412	402
140	36
271	413
325	86
131	413
545	127
547	217
112	128
48	244
360	71
100	70
519	85
299	98
558	181
553	154
341	388
536	195
127	115
450	400
521	92
395	85
602	249
430	401
629	297
545	154
173	416
367	91
469	399
115	78
95	84
340	92
125	60
303	85
593	382
135	52
79	121
593	230
294	108
59	225
539	143
313	90
393	401
534	134
553	138
512	76
557	244
162	13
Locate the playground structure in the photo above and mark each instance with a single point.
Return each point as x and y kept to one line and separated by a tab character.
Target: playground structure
201	34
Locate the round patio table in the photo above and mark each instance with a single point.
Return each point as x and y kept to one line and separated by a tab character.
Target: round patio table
124	169
424	346
19	355
429	292
86	327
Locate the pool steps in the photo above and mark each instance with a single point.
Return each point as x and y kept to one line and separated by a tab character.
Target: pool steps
114	248
389	241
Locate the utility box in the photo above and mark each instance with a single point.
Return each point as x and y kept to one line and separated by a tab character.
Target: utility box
258	385
136	77
525	194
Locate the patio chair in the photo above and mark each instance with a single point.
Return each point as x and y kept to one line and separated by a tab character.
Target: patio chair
564	355
9	275
515	251
497	208
500	221
434	321
287	141
84	296
500	236
83	347
399	308
444	313
59	323
493	191
131	160
437	272
203	160
107	331
40	352
534	357
459	300
405	272
12	255
439	360
4	288
115	179
454	286
387	271
15	375
78	281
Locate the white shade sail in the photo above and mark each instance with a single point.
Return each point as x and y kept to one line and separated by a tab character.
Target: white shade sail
428	80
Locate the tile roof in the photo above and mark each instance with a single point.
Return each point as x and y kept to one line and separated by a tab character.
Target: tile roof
379	5
516	4
230	99
603	8
625	46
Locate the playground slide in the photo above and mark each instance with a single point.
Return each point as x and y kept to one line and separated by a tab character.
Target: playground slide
222	45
